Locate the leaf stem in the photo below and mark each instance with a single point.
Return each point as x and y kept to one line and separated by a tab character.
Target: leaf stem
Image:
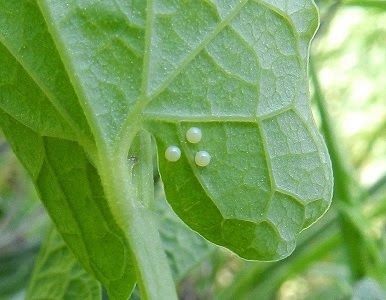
130	186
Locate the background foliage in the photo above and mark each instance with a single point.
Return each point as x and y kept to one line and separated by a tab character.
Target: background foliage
342	256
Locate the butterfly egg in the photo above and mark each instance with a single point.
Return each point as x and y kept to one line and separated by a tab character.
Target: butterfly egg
202	158
173	153
194	135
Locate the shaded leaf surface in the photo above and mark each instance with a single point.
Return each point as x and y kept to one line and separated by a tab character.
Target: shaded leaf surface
24	36
235	69
184	248
21	98
38	102
58	274
70	188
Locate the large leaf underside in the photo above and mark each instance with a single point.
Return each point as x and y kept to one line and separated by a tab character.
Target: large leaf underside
244	84
235	69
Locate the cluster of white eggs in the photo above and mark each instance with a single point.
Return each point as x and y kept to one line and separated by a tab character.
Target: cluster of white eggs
194	136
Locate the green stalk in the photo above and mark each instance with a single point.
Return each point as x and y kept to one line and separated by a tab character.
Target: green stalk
362	252
342	179
129	185
367	4
376	197
370	144
378	186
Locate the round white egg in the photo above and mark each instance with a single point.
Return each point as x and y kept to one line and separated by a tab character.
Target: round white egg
194	135
202	158
173	153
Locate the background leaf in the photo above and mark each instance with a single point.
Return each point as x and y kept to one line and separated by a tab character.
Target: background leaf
58	274
37	103
184	248
70	188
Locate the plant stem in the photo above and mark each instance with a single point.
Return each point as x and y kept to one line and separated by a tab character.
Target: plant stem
378	186
129	184
341	175
372	140
368	4
362	251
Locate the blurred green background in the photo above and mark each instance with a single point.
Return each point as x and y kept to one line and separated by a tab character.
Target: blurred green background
343	256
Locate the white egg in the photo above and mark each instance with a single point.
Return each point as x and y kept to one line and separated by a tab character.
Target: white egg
194	135
173	153
202	158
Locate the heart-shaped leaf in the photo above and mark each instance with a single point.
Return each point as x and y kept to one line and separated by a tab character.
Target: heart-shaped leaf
244	85
235	69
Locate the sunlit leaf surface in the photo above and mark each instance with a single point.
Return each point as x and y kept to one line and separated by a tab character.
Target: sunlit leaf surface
235	69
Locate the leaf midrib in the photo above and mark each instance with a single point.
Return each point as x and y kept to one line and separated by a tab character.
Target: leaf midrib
142	103
140	106
175	118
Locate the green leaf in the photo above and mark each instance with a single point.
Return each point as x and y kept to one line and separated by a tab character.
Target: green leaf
235	69
184	248
102	45
58	274
21	98
70	188
238	71
23	32
38	106
244	83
